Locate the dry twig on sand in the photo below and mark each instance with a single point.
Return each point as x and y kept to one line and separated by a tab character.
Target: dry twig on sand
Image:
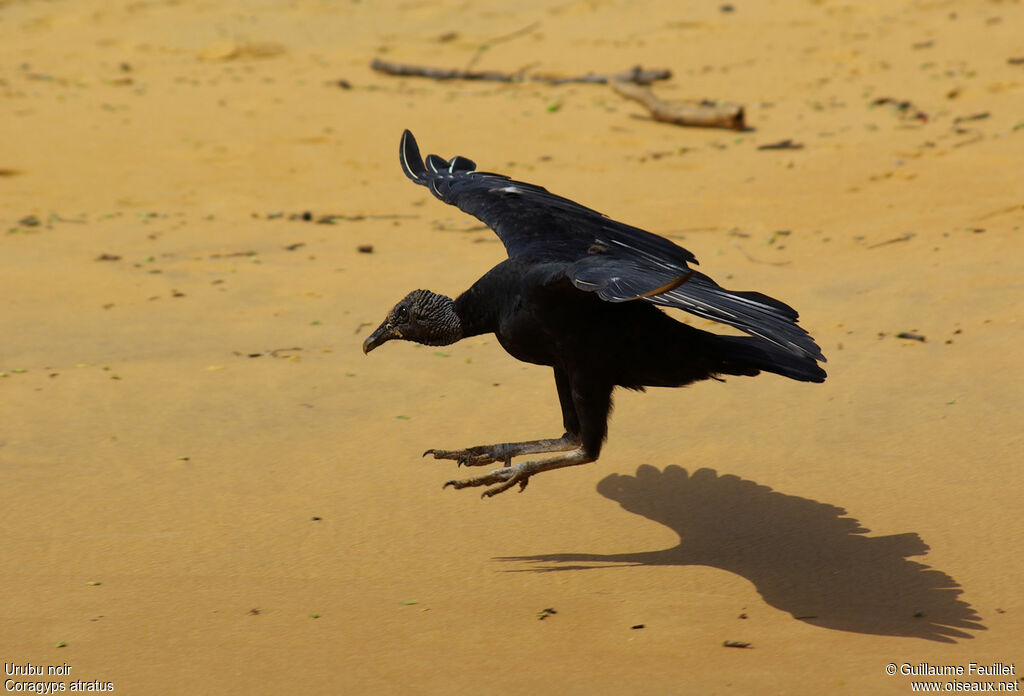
482	48
637	75
683	114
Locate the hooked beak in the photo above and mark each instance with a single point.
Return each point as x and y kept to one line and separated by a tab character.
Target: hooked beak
384	333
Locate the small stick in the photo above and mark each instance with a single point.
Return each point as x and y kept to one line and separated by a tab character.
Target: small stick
906	236
637	75
505	37
406	70
786	144
718	116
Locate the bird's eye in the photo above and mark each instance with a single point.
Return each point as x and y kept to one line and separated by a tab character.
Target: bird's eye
402	313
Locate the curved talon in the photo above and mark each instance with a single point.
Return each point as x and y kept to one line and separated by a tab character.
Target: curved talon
471	456
503	479
491	492
456	484
516	478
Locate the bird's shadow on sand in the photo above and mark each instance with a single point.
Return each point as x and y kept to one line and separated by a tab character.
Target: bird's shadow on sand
805	557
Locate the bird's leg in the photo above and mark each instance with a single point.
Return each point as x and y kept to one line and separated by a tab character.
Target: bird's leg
520	473
485	454
585	404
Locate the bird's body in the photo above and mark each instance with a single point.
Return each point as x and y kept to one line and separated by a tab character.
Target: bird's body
630	344
578	294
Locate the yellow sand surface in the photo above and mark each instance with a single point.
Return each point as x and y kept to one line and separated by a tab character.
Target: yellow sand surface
207	488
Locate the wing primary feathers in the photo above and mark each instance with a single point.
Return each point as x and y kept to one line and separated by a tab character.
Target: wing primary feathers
437	173
409	157
528	218
436	164
459	163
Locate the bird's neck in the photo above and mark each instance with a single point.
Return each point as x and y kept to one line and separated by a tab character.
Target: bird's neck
491	297
476	316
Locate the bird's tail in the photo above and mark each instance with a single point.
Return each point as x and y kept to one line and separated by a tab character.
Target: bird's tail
746	355
751	312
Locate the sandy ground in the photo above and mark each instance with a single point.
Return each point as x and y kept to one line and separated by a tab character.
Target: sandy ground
207	488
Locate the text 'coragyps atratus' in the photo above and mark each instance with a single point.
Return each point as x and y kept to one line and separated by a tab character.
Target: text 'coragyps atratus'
578	293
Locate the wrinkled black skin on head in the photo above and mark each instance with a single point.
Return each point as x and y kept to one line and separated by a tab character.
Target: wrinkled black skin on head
421	316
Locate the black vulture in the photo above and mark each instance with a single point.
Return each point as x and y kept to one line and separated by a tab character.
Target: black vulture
578	293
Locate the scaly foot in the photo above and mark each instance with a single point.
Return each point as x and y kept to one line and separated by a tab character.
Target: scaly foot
475	456
482	455
506	477
520	473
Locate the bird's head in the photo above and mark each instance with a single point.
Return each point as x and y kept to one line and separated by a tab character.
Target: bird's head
422	317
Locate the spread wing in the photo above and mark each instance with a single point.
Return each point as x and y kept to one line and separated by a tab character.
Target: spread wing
619	262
